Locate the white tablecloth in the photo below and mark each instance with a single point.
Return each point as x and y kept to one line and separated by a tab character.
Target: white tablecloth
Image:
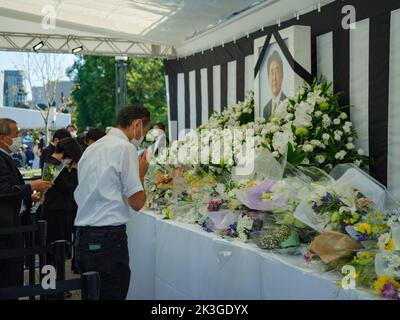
171	260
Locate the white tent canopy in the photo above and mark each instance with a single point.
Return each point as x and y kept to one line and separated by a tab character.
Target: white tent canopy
32	119
137	27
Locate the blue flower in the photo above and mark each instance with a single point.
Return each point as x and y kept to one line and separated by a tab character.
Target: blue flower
326	198
315	207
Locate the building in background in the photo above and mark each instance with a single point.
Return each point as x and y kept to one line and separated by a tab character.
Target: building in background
63	91
38	96
14	93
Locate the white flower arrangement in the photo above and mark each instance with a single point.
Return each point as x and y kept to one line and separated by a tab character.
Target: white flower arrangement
317	134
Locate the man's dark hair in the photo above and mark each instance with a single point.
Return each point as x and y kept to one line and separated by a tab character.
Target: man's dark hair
160	125
61	134
71	126
5	129
71	149
94	134
275	56
130	113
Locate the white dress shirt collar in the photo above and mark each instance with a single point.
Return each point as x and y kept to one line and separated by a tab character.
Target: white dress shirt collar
118	133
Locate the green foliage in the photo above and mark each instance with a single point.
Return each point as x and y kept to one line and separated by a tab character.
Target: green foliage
94	94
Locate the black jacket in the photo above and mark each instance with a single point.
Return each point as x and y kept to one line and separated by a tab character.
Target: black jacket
61	195
46	154
267	110
59	207
13	191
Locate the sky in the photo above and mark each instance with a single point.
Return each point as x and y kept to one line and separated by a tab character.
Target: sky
14	61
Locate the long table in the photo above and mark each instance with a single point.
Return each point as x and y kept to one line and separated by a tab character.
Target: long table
172	260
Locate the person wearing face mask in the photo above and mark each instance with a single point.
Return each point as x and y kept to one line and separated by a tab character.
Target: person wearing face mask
16	198
59	207
72	130
111	184
49	150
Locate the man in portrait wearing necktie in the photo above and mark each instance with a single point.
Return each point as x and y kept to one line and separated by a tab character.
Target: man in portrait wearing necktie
275	79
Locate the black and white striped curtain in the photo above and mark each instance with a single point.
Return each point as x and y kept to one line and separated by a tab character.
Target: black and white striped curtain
363	63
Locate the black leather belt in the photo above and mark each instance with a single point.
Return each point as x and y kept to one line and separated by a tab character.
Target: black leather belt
105	229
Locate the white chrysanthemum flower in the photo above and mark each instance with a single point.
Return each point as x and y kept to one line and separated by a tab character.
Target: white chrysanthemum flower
275	154
336	121
289	117
326	121
306	161
361	152
343	116
350	146
280	141
338	135
306	107
320	158
318	114
358	163
308	148
325	137
315	142
346	129
302	119
340	155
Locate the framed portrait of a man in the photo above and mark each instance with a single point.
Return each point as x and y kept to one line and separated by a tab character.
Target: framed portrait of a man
276	80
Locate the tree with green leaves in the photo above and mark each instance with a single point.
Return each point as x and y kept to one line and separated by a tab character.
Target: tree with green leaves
95	91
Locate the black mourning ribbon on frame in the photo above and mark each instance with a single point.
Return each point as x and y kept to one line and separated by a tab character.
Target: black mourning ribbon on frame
296	67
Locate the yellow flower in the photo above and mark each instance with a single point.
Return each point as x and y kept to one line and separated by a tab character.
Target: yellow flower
232	207
168	213
358	274
364	255
251	184
364	228
390	245
379	284
266	196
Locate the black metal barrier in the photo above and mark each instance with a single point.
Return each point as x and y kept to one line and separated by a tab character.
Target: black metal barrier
35	244
89	284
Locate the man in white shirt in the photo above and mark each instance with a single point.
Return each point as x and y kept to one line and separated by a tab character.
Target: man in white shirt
275	79
111	184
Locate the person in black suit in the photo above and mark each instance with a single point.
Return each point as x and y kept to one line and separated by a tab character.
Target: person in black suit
275	79
16	198
49	150
59	207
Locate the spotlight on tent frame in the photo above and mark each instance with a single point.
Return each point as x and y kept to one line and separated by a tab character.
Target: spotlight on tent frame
77	49
38	46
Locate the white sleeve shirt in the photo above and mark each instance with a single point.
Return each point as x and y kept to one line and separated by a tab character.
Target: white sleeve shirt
108	175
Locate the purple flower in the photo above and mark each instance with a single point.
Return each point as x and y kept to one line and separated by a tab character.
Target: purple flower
315	207
390	291
253	197
326	198
362	237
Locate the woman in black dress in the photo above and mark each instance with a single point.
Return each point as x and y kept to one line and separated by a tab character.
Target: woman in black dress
59	207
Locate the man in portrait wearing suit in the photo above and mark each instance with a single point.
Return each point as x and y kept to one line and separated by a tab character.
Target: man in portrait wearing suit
16	198
275	79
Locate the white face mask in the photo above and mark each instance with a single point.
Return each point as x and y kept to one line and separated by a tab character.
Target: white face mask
66	162
16	144
73	134
135	142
